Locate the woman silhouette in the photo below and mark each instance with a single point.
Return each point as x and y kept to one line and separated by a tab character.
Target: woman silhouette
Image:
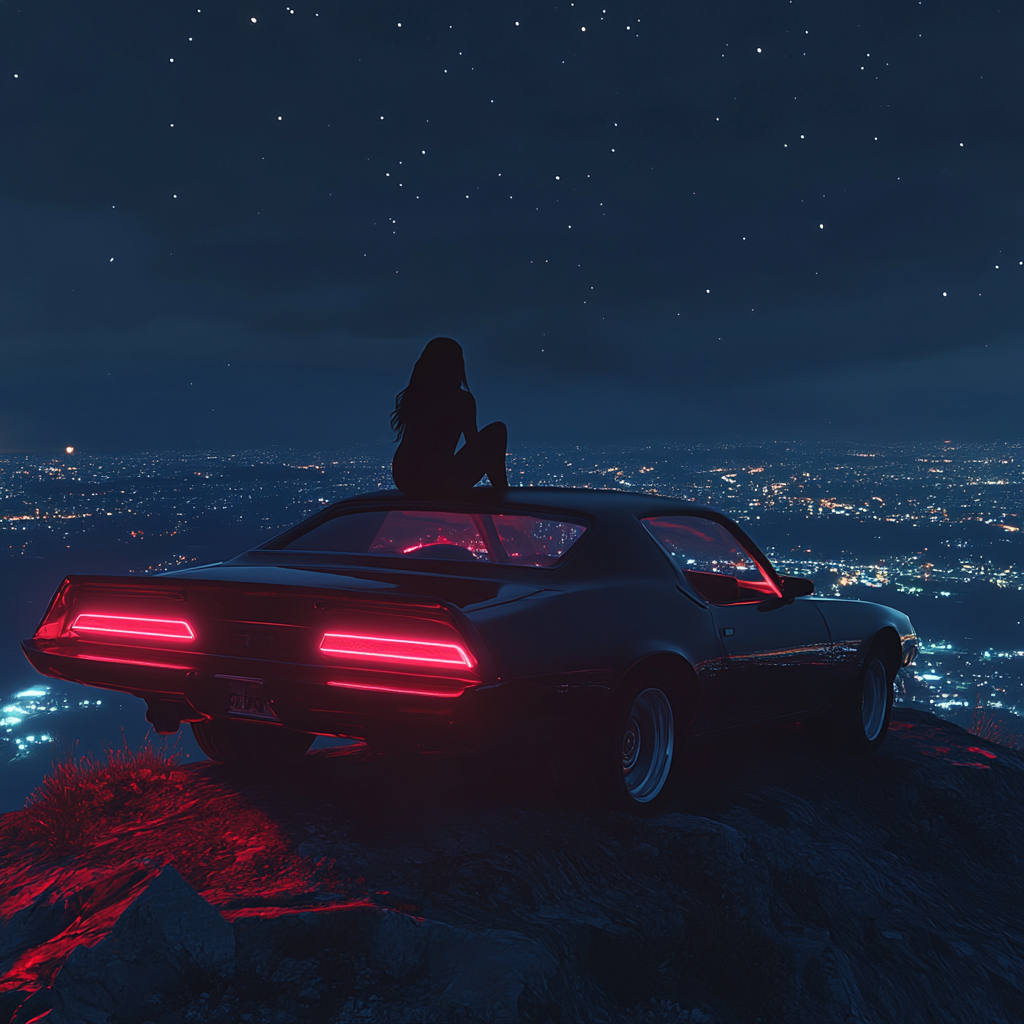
430	415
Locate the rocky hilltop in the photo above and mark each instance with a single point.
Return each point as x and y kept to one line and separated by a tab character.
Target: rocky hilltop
785	884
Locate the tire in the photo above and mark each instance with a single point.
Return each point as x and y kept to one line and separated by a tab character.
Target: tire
249	744
642	744
858	721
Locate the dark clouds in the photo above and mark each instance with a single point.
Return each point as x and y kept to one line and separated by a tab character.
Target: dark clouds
693	294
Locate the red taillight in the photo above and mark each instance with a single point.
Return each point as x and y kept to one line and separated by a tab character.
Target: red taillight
132	626
398	690
427	652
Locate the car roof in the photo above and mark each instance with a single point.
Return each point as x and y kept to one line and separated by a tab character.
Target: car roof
579	500
613	508
596	503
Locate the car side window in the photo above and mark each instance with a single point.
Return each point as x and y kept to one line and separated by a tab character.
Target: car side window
712	559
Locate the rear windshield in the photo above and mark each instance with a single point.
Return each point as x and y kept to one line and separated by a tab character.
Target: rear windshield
455	536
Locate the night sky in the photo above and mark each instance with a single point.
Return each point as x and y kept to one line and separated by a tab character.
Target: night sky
236	224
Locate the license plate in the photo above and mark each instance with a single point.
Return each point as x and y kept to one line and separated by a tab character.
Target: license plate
245	697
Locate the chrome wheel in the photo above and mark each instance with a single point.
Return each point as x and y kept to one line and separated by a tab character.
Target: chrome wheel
647	745
874	699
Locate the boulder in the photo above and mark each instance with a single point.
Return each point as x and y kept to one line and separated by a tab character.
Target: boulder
168	940
485	973
47	915
480	973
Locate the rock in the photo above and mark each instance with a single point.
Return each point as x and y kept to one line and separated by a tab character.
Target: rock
261	941
399	942
169	937
489	970
482	973
297	976
465	844
784	884
11	1001
48	914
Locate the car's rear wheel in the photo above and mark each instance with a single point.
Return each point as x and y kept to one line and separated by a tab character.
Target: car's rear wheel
859	720
249	743
642	745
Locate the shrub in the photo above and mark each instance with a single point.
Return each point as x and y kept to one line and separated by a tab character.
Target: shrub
64	810
1004	728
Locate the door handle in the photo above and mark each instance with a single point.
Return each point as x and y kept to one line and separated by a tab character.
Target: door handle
728	631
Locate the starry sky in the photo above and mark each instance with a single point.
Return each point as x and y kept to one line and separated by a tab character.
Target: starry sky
237	224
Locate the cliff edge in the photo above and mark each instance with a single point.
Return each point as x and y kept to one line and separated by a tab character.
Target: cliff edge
785	884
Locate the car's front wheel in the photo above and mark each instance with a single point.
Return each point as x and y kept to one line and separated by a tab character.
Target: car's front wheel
249	744
859	720
642	746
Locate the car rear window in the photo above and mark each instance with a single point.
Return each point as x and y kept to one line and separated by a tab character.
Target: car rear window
453	536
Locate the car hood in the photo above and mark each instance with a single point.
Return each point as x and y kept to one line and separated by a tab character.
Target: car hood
841	612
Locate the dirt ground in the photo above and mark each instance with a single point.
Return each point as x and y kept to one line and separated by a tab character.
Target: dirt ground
784	883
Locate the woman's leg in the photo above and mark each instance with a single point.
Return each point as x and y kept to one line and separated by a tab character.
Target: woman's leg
485	454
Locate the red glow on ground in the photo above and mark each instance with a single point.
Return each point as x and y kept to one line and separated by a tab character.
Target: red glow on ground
395	689
133	626
119	828
984	753
321	906
104	895
392	649
936	743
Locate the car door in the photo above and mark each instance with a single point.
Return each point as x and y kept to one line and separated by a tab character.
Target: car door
777	651
777	659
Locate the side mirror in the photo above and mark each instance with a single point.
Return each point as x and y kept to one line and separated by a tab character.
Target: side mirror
796	586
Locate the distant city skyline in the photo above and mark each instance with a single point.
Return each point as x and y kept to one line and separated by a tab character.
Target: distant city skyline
935	530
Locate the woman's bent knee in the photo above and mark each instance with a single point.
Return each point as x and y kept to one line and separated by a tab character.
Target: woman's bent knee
496	430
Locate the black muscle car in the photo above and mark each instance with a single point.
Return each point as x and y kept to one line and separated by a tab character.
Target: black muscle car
609	625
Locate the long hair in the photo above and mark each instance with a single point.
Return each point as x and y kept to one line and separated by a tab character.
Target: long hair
440	368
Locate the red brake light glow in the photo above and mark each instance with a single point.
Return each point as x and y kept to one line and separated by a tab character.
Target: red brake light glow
394	689
426	652
107	660
132	626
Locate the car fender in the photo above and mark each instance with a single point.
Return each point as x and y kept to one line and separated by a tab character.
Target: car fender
559	630
592	638
659	662
859	626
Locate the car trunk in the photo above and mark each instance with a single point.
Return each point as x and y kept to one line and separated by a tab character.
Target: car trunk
145	635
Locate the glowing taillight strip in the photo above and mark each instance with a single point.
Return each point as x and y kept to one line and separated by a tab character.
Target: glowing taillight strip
394	689
129	625
106	659
423	651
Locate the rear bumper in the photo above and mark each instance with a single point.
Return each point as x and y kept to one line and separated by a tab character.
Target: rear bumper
477	715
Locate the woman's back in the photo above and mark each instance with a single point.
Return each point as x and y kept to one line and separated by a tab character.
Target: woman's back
434	422
430	416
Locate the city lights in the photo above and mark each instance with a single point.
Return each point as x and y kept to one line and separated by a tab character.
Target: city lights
925	527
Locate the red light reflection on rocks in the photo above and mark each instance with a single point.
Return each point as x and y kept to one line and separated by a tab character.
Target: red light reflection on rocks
984	753
934	743
236	857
